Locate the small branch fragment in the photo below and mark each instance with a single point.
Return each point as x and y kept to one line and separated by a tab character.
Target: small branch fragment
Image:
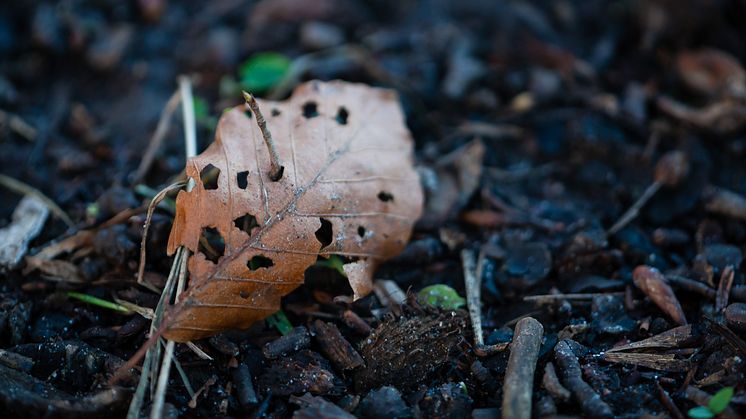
519	376
335	347
244	387
590	402
670	170
652	283
472	284
356	323
294	341
668	402
157	139
276	169
552	384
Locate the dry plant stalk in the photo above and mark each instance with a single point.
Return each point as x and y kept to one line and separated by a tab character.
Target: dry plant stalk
348	188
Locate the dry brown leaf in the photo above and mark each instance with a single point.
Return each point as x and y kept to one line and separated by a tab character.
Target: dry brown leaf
651	281
348	188
712	72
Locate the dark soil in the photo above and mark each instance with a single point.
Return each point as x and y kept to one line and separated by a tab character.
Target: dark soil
537	125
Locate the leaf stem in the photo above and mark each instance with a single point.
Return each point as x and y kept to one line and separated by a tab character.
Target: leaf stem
276	169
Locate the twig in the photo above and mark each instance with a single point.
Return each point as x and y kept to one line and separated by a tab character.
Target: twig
158	136
156	411
146	227
151	354
552	298
552	385
198	351
159	398
178	268
18	125
634	210
590	402
519	375
187	110
670	170
275	169
25	189
474	304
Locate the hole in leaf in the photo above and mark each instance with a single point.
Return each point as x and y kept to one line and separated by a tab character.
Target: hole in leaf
258	262
309	110
211	244
246	223
243	179
361	231
243	294
209	176
324	233
275	112
247	112
385	196
342	115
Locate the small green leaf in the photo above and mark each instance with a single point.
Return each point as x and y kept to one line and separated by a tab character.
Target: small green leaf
700	412
262	71
720	400
280	321
441	296
333	262
202	115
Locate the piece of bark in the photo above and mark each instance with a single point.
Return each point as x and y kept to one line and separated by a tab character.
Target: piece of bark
244	386
318	408
297	339
651	281
356	323
335	347
519	376
405	351
305	371
27	221
590	402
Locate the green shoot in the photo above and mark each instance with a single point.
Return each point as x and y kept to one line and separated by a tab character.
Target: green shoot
98	302
280	321
262	71
441	296
718	403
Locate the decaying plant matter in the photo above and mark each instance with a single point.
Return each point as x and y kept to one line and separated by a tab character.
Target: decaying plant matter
347	187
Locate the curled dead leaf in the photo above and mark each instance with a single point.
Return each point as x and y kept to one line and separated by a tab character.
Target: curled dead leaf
349	188
712	72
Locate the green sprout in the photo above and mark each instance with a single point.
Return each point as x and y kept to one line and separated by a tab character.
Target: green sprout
280	321
718	403
333	262
262	71
441	296
98	302
202	114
